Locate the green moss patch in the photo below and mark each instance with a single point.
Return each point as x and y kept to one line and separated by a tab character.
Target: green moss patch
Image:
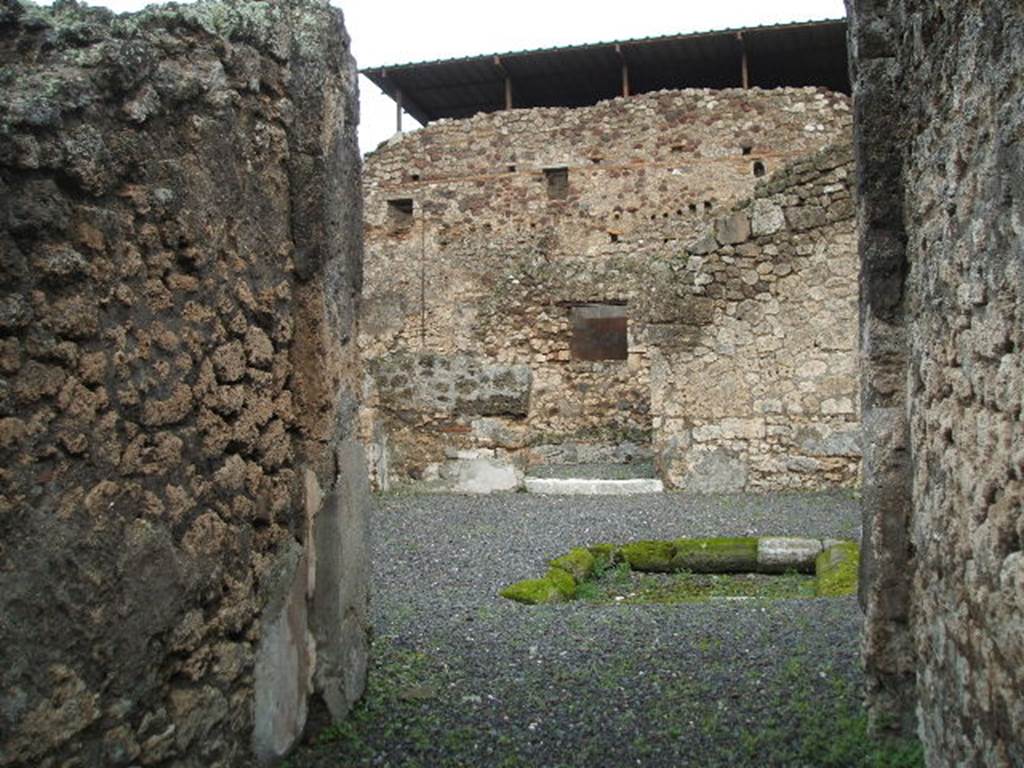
720	555
686	570
604	555
534	592
650	556
578	563
564	582
836	568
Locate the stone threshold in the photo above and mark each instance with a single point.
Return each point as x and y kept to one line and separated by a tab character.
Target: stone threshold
553	486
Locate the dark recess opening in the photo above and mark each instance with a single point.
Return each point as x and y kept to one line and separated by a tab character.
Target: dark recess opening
598	332
400	212
511	168
558	182
758	168
746	149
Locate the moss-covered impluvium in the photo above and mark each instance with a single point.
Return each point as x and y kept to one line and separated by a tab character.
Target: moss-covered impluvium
836	566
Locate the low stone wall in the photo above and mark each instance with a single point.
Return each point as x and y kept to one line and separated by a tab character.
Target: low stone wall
940	167
182	557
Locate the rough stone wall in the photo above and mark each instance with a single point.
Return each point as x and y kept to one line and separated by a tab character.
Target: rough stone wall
181	496
498	251
758	390
940	124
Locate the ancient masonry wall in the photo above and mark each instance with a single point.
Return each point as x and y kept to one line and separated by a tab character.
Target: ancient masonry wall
182	558
758	390
940	168
487	238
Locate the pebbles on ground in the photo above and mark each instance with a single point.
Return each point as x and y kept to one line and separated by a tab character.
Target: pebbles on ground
464	677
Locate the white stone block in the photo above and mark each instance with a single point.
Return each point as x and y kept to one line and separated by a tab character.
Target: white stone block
766	219
786	553
587	487
485	475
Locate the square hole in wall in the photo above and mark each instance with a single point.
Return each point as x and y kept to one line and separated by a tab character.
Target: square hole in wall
599	332
558	182
400	212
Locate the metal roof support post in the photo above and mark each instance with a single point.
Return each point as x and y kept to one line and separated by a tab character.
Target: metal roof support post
508	81
398	111
625	70
744	72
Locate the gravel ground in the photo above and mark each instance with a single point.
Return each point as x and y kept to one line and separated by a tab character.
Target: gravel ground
461	677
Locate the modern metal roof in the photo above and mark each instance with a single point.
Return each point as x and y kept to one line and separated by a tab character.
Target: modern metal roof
795	54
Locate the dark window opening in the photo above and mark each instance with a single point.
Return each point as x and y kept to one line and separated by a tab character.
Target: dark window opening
599	332
558	182
511	168
400	212
414	176
707	205
758	168
614	236
693	207
746	149
676	148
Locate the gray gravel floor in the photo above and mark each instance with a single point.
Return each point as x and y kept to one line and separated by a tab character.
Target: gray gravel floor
464	677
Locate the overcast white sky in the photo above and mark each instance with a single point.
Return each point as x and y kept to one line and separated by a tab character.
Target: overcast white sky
400	31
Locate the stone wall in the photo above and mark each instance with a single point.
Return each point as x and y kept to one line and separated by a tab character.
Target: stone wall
181	496
488	238
940	124
758	390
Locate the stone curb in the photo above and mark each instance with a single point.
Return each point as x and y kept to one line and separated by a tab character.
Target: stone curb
587	487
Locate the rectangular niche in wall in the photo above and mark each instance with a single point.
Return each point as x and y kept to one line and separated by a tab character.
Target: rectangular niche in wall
400	213
558	182
598	332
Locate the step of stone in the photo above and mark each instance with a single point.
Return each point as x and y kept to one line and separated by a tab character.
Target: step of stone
643	470
577	486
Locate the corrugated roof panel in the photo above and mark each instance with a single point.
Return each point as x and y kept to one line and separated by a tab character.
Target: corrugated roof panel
808	53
